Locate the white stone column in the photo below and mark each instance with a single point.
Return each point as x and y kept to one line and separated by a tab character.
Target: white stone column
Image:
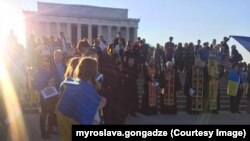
118	29
69	39
135	33
58	30
127	33
109	35
47	30
27	31
90	34
99	31
50	29
78	32
32	27
36	28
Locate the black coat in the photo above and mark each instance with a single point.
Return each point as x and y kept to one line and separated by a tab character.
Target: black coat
248	80
188	85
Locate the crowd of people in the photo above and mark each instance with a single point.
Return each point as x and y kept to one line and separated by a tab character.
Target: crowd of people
96	82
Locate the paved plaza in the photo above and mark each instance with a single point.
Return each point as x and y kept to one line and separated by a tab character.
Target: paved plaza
223	118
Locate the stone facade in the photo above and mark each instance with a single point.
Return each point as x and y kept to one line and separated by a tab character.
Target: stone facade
80	21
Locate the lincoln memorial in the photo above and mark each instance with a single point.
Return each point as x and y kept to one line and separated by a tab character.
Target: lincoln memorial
80	21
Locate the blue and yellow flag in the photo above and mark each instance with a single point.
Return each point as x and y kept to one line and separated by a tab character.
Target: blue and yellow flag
79	101
244	41
233	83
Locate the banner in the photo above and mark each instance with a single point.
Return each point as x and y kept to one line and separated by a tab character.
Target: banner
244	41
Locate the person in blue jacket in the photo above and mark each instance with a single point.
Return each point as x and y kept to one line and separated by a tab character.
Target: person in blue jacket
234	75
44	79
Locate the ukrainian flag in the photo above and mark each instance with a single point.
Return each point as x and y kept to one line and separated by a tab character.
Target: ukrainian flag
233	83
78	105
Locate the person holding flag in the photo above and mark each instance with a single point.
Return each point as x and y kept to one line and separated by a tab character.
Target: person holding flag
234	88
79	102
